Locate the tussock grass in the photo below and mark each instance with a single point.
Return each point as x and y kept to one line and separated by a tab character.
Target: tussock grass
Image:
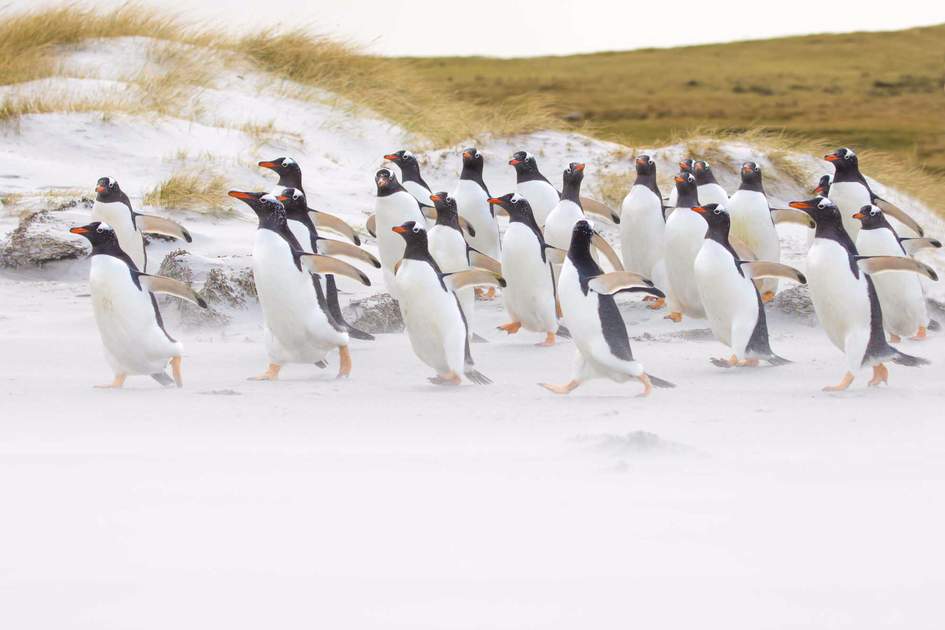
612	187
205	194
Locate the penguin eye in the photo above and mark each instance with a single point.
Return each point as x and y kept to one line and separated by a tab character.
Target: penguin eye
478	155
285	163
821	205
100	229
416	229
717	211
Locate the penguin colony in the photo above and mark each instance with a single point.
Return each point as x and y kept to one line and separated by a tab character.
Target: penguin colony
700	252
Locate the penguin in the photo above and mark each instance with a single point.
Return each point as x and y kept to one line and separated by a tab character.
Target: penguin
844	296
592	316
529	293
905	313
733	304
436	326
560	221
394	206
752	223
642	227
290	177
126	311
472	202
710	191
297	327
685	231
685	166
850	191
410	176
541	195
449	249
113	208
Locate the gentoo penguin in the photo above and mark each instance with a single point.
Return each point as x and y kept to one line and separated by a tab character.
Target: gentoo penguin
127	313
529	293
542	196
901	297
591	313
732	302
472	202
642	224
850	191
752	222
410	176
844	296
113	207
290	177
432	315
297	328
394	206
449	249
685	231
560	221
710	191
685	166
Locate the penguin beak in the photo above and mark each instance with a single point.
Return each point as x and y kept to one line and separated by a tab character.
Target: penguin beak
833	157
579	167
699	209
392	157
859	215
271	165
515	162
800	205
678	179
819	190
467	155
99	189
238	194
436	198
747	170
283	197
399	229
684	165
79	230
495	200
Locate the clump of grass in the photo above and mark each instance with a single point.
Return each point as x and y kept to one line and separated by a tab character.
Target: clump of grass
183	191
612	187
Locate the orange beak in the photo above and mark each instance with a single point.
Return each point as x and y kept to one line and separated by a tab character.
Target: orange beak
283	198
495	200
268	164
699	209
238	194
391	157
400	229
800	205
99	189
79	230
467	155
678	179
746	169
859	215
514	162
683	164
436	198
833	157
579	167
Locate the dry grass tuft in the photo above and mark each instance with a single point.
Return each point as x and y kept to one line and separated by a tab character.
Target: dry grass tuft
182	191
613	187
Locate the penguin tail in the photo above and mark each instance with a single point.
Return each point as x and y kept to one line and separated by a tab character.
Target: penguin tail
477	377
476	338
934	325
660	382
563	332
901	358
357	333
774	359
163	379
321	364
334	309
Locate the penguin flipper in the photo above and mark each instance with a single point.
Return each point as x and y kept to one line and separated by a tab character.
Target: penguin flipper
478	259
150	224
472	277
169	286
912	245
790	215
316	263
610	283
428	211
880	264
371	225
601	244
766	269
330	247
163	379
592	206
554	254
334	224
899	214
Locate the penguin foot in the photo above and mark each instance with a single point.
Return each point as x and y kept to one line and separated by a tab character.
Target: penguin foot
511	327
655	303
116	384
920	335
176	371
566	388
720	362
767	296
748	363
548	342
676	316
647	386
894	338
880	375
451	378
842	385
271	373
344	369
484	295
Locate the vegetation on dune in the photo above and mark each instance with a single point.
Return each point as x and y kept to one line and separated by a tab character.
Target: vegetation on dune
196	193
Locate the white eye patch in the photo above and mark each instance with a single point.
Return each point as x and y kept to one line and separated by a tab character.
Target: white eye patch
515	198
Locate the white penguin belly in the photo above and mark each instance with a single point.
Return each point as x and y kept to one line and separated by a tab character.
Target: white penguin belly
541	196
472	203
729	299
431	317
448	249
560	224
418	192
684	234
900	294
752	224
301	234
849	197
641	230
391	211
118	216
133	341
529	292
712	193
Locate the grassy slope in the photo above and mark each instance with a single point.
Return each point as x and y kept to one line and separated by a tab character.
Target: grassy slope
870	90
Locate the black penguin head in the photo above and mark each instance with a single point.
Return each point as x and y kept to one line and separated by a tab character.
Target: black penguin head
574	175
581	236
107	190
402	158
97	233
716	216
386	182
821	209
685	183
524	162
871	217
472	158
685	166
444	204
823	186
288	170
294	202
644	165
515	205
703	173
751	173
843	159
415	235
263	204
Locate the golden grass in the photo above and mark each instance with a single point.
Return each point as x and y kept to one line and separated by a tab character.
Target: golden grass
205	194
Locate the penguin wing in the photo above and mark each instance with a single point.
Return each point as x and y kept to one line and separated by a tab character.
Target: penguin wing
879	264
610	283
472	277
334	224
162	284
742	249
555	254
790	215
330	247
428	211
478	259
767	269
150	224
604	248
912	245
317	263
899	214
600	209
467	227
371	225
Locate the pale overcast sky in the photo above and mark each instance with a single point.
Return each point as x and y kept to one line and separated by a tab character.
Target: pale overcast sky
511	28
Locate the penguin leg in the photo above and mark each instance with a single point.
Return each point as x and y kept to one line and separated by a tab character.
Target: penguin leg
271	373
344	369
920	335
450	378
842	385
116	384
655	303
511	327
176	371
676	316
767	296
880	375
566	388
894	338
558	310
647	386
482	294
548	342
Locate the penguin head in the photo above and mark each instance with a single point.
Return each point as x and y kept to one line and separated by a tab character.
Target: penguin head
524	162
286	168
514	205
751	173
703	173
820	209
411	232
386	182
716	216
444	204
685	182
644	165
823	186
263	204
871	217
472	158
402	157
843	159
574	174
107	190
685	166
294	202
97	233
581	235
